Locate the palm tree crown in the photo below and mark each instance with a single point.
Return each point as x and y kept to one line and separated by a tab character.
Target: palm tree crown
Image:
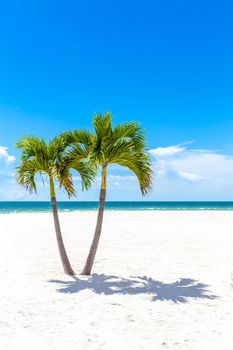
51	159
123	144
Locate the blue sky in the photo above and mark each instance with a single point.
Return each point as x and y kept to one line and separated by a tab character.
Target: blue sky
167	64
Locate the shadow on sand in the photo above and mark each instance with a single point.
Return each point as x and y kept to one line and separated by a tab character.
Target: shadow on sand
178	292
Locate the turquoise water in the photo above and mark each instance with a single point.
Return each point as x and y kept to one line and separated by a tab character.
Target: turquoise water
21	207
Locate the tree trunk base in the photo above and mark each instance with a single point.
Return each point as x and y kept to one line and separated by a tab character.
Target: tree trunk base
70	273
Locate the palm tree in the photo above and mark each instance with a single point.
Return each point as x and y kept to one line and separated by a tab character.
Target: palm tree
52	160
124	145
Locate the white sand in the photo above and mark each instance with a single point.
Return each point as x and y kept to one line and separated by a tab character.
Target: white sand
162	280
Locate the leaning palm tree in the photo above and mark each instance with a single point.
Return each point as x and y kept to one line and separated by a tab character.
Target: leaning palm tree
52	160
124	145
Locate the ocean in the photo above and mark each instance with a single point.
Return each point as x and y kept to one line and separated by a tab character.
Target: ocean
33	207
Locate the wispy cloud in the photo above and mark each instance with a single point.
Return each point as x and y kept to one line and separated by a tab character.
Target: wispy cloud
164	152
191	177
167	151
5	155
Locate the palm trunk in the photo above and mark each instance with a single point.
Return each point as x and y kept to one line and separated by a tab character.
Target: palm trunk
92	253
64	258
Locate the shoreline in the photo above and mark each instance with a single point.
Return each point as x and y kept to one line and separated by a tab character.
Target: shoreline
121	211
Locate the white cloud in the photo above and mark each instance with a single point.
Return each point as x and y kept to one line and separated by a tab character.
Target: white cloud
10	159
192	177
192	174
121	177
4	155
166	151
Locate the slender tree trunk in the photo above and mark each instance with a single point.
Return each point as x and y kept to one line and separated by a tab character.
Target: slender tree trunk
64	258
92	253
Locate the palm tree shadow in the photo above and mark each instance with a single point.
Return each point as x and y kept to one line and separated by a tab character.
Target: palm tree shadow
178	292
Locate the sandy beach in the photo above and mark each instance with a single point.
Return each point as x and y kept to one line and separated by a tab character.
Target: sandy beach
161	280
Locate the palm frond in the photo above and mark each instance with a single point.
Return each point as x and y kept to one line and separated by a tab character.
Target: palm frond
25	175
102	125
65	180
77	136
87	172
130	131
78	148
140	165
32	146
56	148
77	152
